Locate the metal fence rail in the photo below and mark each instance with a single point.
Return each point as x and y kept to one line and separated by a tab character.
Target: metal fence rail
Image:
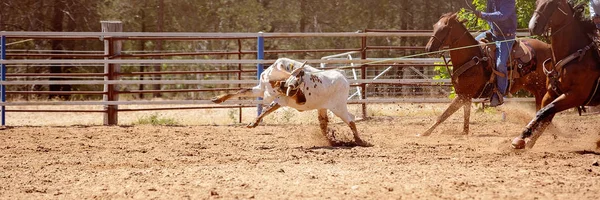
370	76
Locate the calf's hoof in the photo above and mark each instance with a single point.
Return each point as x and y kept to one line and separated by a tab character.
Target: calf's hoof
216	100
518	143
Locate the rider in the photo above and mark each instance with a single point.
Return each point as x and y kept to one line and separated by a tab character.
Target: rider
595	7
502	18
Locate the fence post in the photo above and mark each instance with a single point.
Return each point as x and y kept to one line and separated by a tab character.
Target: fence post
363	74
239	41
112	48
260	55
3	77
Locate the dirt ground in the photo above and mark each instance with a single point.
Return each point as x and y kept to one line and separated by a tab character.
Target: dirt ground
289	161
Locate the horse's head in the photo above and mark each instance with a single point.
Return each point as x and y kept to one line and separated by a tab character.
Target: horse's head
549	13
443	30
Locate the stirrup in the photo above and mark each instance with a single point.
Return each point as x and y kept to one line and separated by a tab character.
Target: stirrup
499	96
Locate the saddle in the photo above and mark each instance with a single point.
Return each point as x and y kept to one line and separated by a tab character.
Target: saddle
522	60
522	57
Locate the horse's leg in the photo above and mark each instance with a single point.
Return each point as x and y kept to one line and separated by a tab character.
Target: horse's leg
546	99
342	112
544	117
271	108
246	92
459	101
538	100
467	115
539	93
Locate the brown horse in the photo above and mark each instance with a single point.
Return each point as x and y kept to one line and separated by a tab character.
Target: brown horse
573	80
471	73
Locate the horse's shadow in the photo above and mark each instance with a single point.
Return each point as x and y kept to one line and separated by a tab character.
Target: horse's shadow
329	147
586	152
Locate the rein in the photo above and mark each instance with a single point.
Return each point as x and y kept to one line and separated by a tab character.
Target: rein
564	26
471	63
555	73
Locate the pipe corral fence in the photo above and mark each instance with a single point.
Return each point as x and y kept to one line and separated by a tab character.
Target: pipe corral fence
114	76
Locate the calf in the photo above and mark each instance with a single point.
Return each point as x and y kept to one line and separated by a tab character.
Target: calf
305	88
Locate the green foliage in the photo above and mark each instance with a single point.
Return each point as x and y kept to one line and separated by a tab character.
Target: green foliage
524	9
156	120
443	73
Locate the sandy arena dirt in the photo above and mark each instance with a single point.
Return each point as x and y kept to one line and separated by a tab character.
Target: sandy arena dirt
289	161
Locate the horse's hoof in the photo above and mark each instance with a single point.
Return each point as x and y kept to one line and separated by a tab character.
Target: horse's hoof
252	125
518	143
363	143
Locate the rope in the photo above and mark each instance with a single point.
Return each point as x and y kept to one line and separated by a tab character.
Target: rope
424	54
17	42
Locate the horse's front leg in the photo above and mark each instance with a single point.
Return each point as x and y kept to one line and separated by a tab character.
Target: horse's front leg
543	118
271	108
459	101
467	115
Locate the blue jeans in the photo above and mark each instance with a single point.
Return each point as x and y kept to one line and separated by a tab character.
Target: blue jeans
503	49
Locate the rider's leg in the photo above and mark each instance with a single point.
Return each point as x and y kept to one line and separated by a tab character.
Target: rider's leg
502	54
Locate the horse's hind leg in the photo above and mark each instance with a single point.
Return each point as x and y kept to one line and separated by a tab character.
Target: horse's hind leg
543	118
459	101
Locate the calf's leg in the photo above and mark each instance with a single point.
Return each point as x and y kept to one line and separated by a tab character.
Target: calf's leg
342	112
271	108
246	92
323	122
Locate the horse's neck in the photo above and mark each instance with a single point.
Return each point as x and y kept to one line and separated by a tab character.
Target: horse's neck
568	41
461	56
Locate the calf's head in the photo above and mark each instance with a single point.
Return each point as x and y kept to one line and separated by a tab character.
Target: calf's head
294	81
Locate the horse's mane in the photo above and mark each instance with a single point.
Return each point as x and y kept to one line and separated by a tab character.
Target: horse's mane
587	25
446	15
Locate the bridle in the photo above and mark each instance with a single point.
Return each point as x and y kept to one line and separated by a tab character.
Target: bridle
548	20
473	62
555	71
442	42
